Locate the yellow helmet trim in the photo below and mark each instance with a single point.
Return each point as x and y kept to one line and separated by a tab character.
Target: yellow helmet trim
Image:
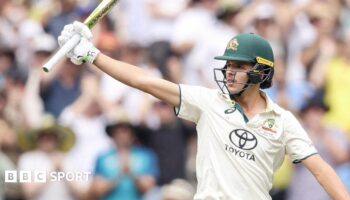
263	61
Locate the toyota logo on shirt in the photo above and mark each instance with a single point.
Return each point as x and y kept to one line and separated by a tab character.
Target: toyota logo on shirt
243	139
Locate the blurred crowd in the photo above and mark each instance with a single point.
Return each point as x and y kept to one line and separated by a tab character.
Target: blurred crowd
77	119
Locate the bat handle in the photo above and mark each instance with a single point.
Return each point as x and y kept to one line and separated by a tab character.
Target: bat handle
61	53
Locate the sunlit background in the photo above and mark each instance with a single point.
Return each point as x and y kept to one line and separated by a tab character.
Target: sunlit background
56	121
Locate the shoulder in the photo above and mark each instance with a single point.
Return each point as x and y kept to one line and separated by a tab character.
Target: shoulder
291	124
198	95
105	159
142	150
288	116
197	90
288	119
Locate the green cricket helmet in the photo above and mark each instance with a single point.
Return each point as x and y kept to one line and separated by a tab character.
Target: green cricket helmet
249	48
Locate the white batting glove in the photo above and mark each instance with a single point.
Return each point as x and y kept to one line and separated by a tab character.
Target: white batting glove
85	51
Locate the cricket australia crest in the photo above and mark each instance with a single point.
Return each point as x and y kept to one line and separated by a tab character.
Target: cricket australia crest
233	45
269	125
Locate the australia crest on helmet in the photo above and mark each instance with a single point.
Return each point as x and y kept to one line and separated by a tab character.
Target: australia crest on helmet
233	45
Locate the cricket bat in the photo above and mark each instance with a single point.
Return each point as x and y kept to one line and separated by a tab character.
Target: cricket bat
101	10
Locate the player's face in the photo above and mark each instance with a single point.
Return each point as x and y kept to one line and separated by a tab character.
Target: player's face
236	75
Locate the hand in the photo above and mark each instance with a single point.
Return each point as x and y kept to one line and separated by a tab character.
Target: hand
85	51
125	162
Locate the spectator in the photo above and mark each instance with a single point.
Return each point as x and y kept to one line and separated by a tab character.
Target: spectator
126	171
210	44
331	144
15	88
5	164
17	30
298	34
7	63
344	20
130	13
324	48
43	45
45	152
169	142
163	14
61	90
336	77
87	117
66	15
128	98
191	25
7	138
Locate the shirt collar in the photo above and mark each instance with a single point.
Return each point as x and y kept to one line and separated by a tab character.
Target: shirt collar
271	106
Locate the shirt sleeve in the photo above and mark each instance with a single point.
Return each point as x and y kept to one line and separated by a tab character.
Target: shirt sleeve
298	144
191	102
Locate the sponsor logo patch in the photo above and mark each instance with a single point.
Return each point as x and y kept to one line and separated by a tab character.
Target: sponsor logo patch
243	139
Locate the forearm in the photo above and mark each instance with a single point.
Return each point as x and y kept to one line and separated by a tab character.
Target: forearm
126	73
332	184
327	177
138	78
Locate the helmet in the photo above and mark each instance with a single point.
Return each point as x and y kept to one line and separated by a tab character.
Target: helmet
250	48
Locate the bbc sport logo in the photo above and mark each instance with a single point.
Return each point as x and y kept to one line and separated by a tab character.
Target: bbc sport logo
13	176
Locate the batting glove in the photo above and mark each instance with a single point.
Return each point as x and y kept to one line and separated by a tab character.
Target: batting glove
84	51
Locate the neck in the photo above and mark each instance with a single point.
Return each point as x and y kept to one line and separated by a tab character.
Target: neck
124	149
252	101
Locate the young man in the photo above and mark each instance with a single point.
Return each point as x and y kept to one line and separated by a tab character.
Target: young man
242	135
126	171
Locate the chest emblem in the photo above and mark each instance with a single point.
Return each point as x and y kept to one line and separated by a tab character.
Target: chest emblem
243	139
270	125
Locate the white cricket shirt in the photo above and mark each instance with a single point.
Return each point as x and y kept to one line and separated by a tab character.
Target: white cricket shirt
236	159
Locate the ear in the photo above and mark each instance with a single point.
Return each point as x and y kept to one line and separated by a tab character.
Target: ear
268	82
254	77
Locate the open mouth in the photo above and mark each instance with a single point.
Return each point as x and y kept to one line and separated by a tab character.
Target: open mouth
230	82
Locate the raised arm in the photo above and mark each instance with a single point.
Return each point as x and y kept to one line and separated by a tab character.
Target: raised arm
327	177
123	72
138	78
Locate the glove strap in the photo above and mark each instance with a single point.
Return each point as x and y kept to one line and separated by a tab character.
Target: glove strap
91	56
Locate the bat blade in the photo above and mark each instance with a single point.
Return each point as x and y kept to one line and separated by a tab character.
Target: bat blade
101	10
